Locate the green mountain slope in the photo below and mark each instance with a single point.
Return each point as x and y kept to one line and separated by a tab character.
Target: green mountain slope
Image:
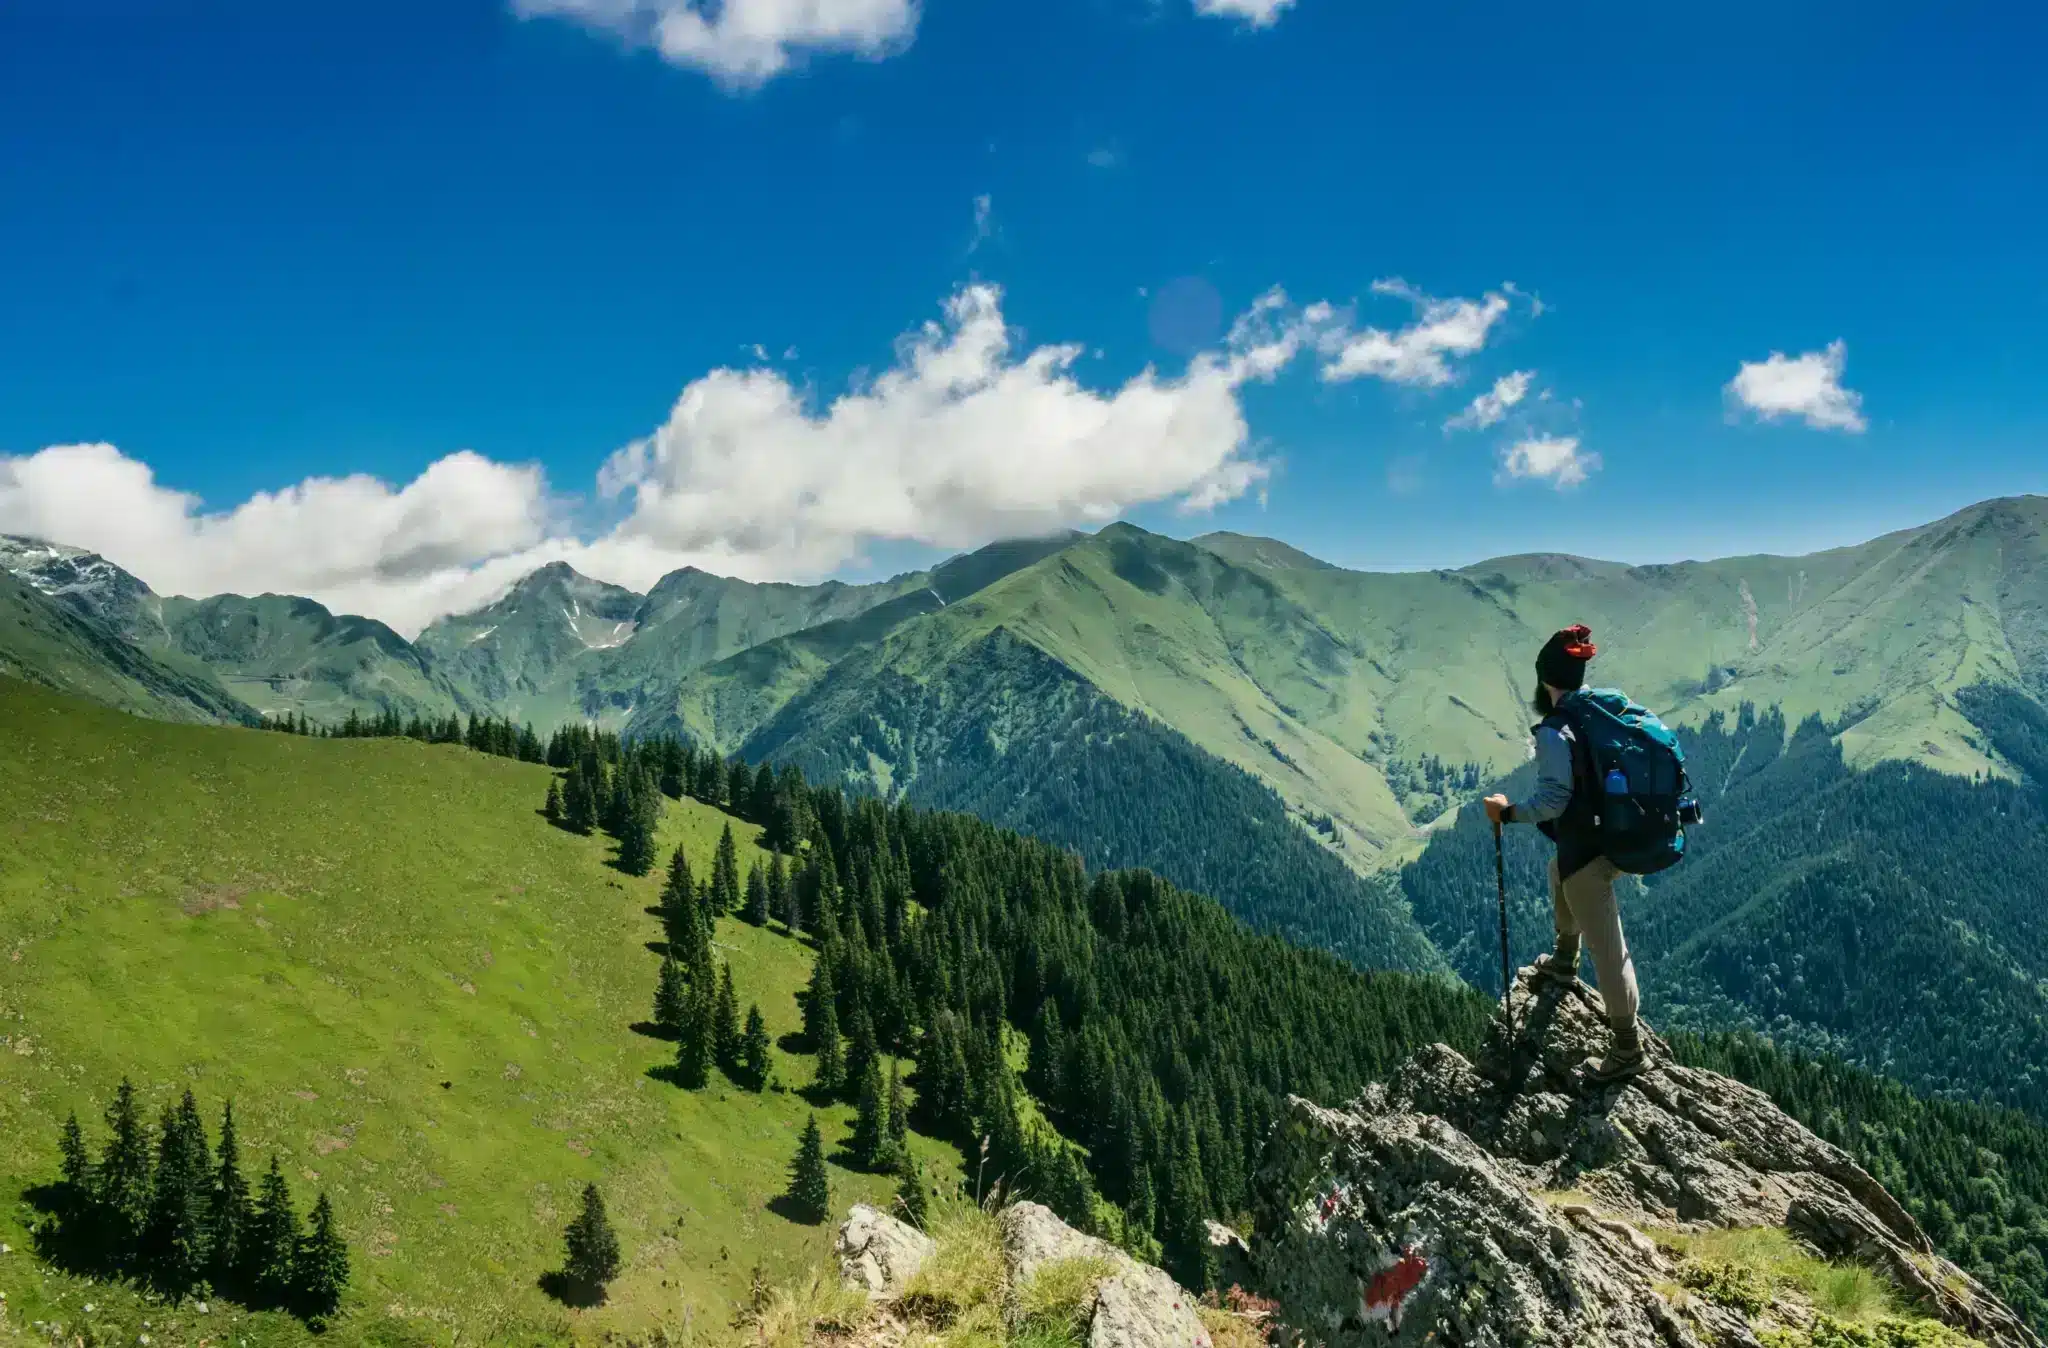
53	644
276	653
282	654
998	728
327	931
1890	916
561	647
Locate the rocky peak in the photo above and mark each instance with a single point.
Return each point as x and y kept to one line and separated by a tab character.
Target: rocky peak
86	583
1512	1201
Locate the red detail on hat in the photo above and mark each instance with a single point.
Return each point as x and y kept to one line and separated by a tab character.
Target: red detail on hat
1579	642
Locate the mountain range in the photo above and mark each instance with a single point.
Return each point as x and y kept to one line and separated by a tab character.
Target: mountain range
1367	702
1295	738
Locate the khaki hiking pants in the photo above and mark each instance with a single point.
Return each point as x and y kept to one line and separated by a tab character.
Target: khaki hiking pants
1584	908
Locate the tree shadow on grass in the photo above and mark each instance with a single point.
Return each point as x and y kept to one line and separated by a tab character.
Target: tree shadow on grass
652	1031
656	947
570	1292
816	1096
654	910
794	1043
790	1210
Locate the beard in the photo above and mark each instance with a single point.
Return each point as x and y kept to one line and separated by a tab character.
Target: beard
1542	701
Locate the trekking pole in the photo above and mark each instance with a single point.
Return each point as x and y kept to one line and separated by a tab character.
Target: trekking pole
1500	875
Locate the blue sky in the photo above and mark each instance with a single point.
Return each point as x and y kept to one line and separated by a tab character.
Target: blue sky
247	245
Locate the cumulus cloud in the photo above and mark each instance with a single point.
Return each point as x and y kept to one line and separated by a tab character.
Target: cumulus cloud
1556	459
1491	406
743	43
1807	386
1255	13
966	437
1421	353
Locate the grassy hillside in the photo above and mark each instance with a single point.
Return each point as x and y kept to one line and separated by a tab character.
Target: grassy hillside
329	931
53	644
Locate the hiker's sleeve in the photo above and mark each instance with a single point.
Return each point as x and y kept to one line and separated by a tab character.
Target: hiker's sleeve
1553	789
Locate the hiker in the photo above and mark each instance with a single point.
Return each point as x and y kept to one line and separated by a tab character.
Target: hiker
1581	875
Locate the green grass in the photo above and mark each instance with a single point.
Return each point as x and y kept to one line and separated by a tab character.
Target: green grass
328	931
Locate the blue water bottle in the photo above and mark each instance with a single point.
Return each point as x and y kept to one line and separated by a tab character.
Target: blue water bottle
1616	783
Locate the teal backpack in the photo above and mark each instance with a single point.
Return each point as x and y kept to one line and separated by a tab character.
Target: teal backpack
1635	780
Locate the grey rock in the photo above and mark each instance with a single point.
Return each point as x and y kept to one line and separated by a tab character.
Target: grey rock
1034	1237
1233	1256
878	1253
1137	1306
1143	1308
1504	1202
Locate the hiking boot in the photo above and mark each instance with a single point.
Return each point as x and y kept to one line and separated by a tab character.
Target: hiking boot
1624	1058
1560	968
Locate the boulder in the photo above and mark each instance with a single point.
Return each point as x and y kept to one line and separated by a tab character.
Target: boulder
1136	1306
878	1253
1513	1201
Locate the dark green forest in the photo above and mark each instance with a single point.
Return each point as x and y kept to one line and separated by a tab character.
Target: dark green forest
1155	1030
1009	735
1876	915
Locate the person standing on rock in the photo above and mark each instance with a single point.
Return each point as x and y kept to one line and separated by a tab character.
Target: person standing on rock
1581	875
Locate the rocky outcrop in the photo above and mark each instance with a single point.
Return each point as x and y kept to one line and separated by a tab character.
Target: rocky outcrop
1136	1305
1513	1201
1133	1305
878	1253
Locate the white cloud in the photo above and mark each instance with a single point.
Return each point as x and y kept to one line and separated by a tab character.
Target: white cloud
984	216
1256	13
1491	406
352	541
1103	157
965	438
743	43
1807	386
1421	353
1556	459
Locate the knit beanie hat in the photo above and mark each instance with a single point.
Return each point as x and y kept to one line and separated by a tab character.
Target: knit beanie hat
1562	661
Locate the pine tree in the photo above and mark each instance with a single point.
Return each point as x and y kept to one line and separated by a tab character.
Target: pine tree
320	1266
669	995
910	1194
821	1027
122	1181
579	804
810	1189
230	1214
756	908
870	1141
695	1043
864	1056
592	1250
725	875
636	840
899	1107
77	1167
273	1240
782	895
754	1051
553	808
725	1025
176	1234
